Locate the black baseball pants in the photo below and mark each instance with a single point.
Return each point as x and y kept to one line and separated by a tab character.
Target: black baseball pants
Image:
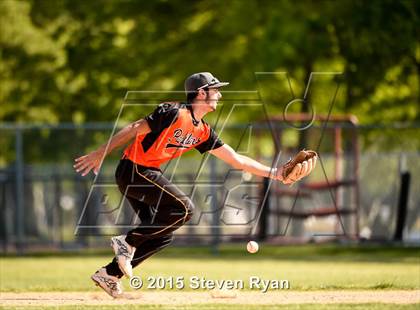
160	205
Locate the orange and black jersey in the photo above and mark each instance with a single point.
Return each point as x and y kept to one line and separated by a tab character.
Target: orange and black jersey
174	131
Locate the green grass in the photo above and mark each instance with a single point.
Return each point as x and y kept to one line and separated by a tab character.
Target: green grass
319	252
312	267
379	306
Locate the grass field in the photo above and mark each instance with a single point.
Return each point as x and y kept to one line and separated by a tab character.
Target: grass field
307	268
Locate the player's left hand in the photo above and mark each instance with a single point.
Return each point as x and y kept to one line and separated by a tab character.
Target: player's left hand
91	161
299	171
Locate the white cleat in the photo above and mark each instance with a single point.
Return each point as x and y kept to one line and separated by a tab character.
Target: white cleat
110	284
124	254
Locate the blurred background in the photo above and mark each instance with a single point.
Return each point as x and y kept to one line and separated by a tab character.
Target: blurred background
72	70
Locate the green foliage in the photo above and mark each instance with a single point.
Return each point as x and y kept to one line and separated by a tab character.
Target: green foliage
73	60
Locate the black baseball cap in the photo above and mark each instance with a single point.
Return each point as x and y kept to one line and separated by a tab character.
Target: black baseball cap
201	80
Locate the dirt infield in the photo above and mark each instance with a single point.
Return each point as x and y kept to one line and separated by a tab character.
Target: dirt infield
213	297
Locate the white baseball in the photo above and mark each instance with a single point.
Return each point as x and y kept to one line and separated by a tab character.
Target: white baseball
252	247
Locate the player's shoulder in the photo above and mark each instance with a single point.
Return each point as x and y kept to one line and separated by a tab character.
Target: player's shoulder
171	106
168	109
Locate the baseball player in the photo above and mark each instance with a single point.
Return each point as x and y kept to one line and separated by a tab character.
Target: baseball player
171	130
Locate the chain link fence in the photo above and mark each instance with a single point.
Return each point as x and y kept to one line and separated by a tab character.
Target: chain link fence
45	204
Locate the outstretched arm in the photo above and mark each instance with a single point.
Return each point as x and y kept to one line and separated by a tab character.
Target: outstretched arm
237	161
94	159
228	155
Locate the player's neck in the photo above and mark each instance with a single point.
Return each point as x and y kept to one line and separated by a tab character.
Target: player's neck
199	110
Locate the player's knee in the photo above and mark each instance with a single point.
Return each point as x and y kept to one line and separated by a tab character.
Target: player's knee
183	210
189	208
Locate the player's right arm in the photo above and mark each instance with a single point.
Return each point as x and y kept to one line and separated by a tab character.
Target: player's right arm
93	160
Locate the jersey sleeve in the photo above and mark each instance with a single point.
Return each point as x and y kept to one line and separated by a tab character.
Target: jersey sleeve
212	143
162	117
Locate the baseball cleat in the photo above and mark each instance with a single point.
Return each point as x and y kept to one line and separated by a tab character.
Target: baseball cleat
110	284
124	254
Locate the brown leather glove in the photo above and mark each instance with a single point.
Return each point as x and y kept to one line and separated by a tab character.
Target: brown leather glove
299	166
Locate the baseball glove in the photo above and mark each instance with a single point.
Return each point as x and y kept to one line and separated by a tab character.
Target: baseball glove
298	159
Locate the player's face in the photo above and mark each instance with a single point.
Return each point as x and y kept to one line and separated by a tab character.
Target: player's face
213	97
